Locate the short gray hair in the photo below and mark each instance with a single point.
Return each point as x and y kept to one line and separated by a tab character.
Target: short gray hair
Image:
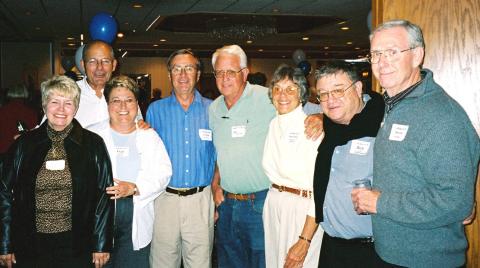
233	50
335	67
415	35
62	85
293	74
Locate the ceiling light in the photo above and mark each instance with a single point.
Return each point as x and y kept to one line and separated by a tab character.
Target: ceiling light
137	5
71	44
260	50
249	41
345	28
163	40
357	48
120	35
153	22
37	28
305	38
325	47
275	10
70	38
134	30
283	56
126	23
124	54
155	45
349	43
241	28
342	22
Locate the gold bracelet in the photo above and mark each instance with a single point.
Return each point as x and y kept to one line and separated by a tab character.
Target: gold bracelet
306	239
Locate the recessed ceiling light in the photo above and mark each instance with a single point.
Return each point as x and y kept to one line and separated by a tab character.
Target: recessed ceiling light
163	40
71	44
305	38
155	45
126	23
357	48
345	28
137	5
120	35
275	10
349	42
134	30
284	56
249	41
260	50
70	38
342	22
326	47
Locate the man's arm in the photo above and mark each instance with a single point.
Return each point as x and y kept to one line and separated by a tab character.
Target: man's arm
216	188
314	126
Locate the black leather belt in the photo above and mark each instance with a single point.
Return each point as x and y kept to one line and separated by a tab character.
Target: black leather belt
363	240
185	192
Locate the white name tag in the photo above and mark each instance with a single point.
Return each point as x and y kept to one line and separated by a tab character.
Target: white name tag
55	165
398	132
359	147
205	134
292	137
122	151
239	131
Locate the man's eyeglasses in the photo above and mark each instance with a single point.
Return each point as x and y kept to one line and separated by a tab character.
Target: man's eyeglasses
336	93
226	73
118	102
189	69
389	54
103	62
291	90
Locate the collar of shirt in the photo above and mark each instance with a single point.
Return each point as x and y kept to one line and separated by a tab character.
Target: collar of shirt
91	91
196	98
390	102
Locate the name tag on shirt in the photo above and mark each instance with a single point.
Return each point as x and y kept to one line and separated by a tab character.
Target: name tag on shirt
205	134
398	132
239	131
292	137
55	165
359	147
122	151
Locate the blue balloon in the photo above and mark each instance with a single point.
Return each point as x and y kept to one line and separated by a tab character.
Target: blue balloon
305	67
103	27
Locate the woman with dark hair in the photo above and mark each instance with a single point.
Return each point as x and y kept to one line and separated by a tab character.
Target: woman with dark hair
54	211
289	162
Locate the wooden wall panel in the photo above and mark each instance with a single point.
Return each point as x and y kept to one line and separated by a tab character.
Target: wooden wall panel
452	35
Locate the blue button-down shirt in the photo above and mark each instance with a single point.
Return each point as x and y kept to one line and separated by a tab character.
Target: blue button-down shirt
187	137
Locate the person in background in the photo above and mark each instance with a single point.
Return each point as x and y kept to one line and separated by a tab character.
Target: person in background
257	78
54	209
291	235
312	106
239	121
15	111
141	171
351	121
184	225
426	158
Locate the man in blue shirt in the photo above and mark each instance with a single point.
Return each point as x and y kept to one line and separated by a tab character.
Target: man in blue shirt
351	121
184	213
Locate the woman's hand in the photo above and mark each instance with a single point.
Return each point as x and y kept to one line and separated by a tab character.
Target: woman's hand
122	189
7	260
100	258
296	254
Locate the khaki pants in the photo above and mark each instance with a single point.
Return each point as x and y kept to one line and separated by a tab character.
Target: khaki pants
183	228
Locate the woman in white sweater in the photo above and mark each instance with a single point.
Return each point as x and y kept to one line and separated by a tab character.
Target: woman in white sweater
141	171
291	235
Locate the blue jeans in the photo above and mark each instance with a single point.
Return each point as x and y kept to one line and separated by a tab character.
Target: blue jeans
239	238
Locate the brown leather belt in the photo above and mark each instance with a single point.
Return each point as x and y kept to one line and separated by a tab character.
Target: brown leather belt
241	197
304	193
185	192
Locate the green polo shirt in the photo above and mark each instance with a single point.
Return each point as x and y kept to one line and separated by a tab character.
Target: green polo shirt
239	136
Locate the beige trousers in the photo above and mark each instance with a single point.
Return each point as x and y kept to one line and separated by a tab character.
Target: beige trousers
284	216
183	228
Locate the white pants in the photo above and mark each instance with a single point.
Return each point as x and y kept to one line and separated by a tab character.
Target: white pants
183	228
284	216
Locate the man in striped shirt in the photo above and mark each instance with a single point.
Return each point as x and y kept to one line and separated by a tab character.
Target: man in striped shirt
183	226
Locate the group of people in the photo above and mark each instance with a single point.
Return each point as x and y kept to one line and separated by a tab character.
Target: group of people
97	186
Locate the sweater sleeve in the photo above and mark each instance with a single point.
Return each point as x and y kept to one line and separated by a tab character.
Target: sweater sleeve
447	158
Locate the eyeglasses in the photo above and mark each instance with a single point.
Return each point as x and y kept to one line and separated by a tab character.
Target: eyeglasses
228	73
118	102
103	62
189	69
389	54
290	90
336	93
